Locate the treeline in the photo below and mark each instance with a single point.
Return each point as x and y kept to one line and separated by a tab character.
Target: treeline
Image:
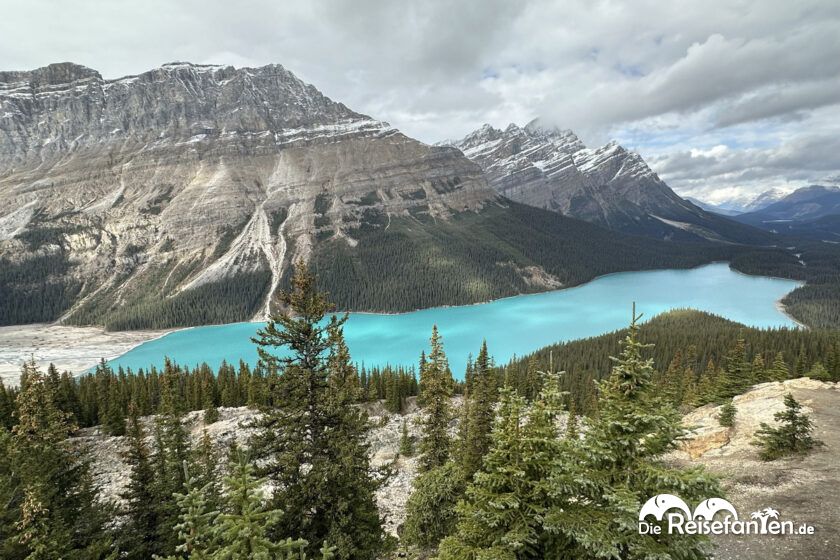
515	485
691	348
817	304
475	257
514	477
35	289
107	397
182	501
151	307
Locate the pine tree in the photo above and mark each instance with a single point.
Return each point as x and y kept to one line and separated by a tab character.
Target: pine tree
138	539
170	453
430	509
114	417
819	372
601	482
502	516
480	415
726	418
195	529
737	370
243	529
801	364
312	444
793	435
406	441
779	370
208	396
204	465
436	383
57	515
572	428
758	373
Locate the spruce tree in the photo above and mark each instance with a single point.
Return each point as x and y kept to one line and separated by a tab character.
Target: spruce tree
436	383
737	370
779	370
726	418
480	414
430	509
170	453
601	482
406	441
55	503
114	417
793	435
312	443
139	537
195	529
502	515
243	530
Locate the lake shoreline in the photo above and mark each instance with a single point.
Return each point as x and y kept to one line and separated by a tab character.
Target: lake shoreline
79	348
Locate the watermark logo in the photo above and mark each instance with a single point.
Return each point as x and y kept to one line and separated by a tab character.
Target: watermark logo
714	516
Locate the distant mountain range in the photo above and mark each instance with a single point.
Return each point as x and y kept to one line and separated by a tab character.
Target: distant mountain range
812	211
610	186
743	203
184	194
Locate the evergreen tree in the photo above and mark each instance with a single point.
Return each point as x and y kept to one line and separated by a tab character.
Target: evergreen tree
726	418
406	441
502	515
243	529
204	465
779	370
601	482
312	443
196	531
572	428
801	365
114	417
208	396
793	435
737	370
758	373
430	509
819	372
480	414
436	383
170	453
55	503
138	539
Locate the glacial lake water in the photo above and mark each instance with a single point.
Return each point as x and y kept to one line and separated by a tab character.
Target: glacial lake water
512	326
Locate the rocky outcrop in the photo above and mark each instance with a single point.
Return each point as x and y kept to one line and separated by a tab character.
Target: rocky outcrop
112	476
190	174
551	168
803	489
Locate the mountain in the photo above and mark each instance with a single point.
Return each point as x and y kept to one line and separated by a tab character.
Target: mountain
812	211
763	200
709	207
741	203
551	168
183	195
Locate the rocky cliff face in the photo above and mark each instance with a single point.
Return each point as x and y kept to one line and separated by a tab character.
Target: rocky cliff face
551	168
188	175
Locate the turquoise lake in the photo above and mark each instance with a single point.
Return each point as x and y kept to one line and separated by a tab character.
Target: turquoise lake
512	326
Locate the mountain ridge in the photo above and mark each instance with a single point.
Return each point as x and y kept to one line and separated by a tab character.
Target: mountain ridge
183	195
551	168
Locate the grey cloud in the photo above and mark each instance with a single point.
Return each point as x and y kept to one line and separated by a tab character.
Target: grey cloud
438	69
790	101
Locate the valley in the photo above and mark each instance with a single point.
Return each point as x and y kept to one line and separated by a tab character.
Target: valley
541	335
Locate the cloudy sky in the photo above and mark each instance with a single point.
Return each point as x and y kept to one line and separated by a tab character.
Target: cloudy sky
723	98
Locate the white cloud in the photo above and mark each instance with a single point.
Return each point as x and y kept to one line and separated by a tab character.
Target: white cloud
666	78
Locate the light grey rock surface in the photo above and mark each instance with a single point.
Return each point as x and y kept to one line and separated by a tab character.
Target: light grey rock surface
188	174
